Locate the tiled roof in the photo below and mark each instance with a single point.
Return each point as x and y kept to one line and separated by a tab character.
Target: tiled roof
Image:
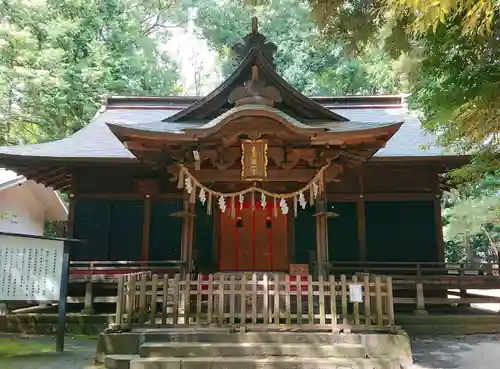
96	141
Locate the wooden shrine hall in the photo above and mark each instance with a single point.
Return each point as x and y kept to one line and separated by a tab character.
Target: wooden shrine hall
255	176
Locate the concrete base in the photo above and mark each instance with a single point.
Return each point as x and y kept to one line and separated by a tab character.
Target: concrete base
263	363
243	349
223	348
4	310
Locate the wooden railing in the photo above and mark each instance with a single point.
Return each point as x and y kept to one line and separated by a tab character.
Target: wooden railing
253	299
423	285
109	271
409	269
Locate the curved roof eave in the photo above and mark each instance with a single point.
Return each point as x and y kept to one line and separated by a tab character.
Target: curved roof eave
215	125
121	131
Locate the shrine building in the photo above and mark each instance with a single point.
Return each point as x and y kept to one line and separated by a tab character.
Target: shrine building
255	176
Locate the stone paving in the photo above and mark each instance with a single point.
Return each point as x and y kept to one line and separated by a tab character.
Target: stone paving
468	352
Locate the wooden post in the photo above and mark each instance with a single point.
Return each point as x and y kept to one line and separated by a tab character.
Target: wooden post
439	229
146	227
361	224
88	303
361	218
420	308
321	233
187	236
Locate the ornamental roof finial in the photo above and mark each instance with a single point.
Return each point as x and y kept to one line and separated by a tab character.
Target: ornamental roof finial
255	25
251	41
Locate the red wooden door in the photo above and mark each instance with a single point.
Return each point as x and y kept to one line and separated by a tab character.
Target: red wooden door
253	240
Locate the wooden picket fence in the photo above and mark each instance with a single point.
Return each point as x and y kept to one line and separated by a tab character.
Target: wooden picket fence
276	299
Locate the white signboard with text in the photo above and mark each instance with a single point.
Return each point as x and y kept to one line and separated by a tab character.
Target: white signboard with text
355	292
30	268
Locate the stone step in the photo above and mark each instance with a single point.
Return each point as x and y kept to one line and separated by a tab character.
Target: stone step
119	361
264	363
269	337
189	349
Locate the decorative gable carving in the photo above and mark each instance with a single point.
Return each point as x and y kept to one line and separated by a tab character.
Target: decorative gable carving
255	92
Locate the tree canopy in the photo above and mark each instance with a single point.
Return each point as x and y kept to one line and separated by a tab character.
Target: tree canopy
450	49
311	66
58	58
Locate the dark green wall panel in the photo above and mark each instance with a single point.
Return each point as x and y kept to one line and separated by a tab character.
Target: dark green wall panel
166	231
91	224
343	232
305	234
203	241
401	231
127	218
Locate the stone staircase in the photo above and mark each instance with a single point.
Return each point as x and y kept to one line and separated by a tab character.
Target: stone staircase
181	348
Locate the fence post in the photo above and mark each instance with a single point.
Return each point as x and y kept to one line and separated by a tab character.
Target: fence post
119	303
420	308
390	300
130	300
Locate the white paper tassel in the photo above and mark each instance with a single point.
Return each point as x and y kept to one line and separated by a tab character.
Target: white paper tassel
188	184
284	206
222	204
302	200
202	196
263	201
241	200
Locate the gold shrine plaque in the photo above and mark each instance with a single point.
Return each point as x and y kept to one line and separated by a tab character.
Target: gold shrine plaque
253	160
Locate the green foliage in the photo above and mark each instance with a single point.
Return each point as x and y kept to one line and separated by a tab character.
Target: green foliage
58	58
451	50
472	221
311	66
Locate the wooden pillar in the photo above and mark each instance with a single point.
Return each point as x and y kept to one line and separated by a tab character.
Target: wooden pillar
321	233
146	228
361	219
187	235
439	229
70	223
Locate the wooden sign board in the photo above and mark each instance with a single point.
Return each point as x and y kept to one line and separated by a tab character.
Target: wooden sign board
253	160
31	268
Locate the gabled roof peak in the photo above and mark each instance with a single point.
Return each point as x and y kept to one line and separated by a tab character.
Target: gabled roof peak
293	103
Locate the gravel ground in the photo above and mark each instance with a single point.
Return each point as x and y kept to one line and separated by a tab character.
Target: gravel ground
467	352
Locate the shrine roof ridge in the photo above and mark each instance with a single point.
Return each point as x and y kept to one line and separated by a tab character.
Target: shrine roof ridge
181	102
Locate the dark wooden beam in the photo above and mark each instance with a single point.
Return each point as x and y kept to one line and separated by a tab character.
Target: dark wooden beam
46	175
61	184
58	179
128	196
273	175
353	197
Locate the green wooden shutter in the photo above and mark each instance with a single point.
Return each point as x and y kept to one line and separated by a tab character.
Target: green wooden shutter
305	234
126	230
401	231
91	224
166	231
343	232
204	231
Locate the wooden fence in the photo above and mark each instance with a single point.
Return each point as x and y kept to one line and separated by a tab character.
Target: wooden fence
254	299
